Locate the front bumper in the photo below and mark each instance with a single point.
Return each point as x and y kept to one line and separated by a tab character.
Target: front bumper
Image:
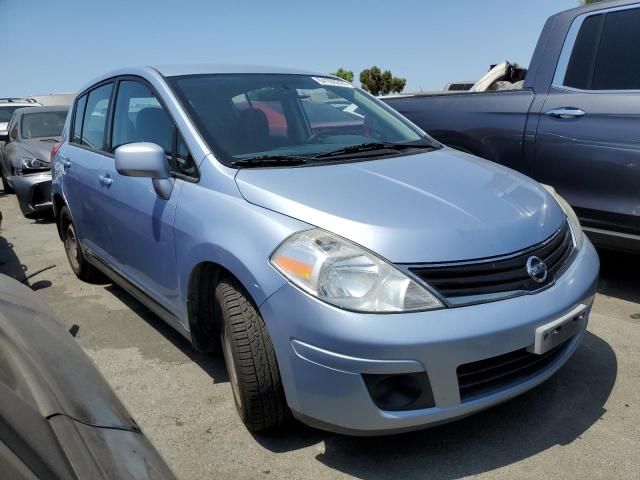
33	191
323	351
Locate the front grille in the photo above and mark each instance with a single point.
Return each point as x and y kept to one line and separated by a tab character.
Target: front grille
485	376
499	275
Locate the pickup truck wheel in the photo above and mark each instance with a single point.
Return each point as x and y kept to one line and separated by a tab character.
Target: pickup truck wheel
250	359
83	269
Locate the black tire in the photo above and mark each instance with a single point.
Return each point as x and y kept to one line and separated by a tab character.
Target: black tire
38	215
5	186
83	269
250	359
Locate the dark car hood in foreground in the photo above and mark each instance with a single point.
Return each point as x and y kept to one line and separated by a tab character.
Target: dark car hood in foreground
39	148
437	206
43	364
57	414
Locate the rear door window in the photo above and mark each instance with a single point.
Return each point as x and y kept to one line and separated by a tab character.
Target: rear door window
95	117
606	53
583	56
618	62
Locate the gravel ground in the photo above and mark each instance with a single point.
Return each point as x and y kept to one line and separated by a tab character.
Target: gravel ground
583	423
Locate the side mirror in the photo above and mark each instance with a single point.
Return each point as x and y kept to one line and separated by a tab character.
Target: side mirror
144	159
4	136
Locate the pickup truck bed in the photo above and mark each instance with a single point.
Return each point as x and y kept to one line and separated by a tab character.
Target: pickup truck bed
488	124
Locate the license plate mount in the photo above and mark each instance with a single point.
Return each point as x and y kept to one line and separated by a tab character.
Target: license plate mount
552	334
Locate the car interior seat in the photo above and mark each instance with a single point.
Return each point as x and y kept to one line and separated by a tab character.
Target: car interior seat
252	131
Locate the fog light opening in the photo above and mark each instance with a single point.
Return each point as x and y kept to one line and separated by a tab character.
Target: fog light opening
393	392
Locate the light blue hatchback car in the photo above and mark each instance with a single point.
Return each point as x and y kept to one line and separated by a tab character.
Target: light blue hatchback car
355	272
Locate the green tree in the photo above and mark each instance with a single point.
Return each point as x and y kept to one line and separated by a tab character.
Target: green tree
344	74
376	82
587	2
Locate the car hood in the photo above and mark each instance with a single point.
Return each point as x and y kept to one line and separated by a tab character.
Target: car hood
45	367
40	148
438	206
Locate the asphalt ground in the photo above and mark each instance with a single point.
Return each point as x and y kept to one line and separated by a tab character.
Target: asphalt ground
583	423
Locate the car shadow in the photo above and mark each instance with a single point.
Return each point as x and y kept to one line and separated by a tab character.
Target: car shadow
618	275
556	413
10	264
212	363
44	220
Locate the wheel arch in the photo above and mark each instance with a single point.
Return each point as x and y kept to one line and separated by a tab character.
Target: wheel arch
202	310
201	305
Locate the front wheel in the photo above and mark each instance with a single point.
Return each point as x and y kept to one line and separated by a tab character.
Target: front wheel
250	359
5	185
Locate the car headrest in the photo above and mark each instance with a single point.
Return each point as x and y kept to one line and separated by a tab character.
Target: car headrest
253	130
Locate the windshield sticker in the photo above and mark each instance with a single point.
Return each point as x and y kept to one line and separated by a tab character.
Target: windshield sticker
332	82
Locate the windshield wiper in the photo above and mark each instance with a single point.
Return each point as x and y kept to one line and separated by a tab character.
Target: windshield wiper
269	161
371	147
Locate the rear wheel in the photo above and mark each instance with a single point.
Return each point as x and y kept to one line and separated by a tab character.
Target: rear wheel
83	269
250	359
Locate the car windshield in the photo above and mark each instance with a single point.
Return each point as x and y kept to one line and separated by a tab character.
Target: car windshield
6	112
43	124
247	117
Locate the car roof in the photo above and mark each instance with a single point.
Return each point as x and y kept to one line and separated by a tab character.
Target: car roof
197	69
592	7
200	69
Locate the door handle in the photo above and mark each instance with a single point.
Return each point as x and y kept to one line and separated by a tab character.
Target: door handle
566	113
105	179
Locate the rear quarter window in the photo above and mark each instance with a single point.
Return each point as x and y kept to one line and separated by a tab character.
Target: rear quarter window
77	119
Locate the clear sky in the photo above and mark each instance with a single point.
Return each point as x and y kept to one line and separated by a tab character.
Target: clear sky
55	46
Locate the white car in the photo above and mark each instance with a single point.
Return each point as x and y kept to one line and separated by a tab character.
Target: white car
10	105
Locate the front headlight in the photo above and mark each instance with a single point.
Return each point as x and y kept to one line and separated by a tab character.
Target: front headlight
348	276
574	223
30	163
